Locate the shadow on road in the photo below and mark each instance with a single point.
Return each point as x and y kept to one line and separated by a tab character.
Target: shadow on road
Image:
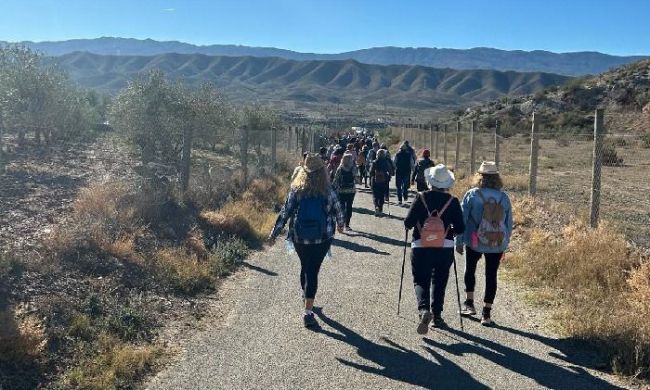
544	373
259	269
355	247
398	363
359	210
382	239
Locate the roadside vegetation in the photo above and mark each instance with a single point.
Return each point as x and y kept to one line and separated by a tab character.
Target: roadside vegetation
86	307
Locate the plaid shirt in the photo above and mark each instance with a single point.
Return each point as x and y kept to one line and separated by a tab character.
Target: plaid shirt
334	215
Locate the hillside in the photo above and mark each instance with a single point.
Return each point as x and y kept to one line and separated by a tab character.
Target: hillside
624	93
276	79
571	64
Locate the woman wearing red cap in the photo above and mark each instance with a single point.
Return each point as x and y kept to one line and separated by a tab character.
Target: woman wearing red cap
418	177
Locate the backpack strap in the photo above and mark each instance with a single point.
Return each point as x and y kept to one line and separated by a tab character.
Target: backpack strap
446	205
424	202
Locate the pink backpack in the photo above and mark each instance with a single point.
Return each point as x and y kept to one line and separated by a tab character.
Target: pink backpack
433	232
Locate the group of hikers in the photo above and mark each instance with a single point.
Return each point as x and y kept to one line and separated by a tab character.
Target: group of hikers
320	199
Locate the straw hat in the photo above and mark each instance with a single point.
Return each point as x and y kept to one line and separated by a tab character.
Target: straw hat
488	168
313	163
439	177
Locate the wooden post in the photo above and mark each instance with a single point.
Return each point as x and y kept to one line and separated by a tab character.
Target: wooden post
431	136
534	152
244	156
597	168
472	149
274	146
436	142
444	144
457	145
497	144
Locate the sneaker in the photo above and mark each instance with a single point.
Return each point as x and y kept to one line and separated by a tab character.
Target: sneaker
425	319
348	229
438	322
468	309
399	202
377	211
310	320
486	318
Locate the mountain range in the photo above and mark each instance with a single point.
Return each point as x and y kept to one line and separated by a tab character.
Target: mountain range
571	64
315	81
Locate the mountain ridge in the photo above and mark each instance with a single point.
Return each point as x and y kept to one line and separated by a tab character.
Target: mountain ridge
317	81
571	64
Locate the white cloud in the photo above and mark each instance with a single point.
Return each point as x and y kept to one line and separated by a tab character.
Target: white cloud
169	9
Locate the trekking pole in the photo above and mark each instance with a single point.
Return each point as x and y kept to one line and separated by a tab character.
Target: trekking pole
458	295
401	281
389	198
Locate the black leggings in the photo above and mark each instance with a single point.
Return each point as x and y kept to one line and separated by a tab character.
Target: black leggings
492	261
311	258
346	201
379	192
430	268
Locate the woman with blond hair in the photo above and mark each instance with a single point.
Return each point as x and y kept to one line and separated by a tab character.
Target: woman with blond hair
487	213
313	209
344	185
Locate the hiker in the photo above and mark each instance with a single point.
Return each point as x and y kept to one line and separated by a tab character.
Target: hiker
314	210
351	150
437	217
361	166
410	149
418	172
380	177
344	185
322	153
391	171
403	165
297	169
335	161
487	212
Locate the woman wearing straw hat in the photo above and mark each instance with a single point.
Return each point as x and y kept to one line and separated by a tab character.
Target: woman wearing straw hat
432	255
487	213
314	210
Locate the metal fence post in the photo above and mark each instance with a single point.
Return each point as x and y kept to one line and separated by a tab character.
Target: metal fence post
597	168
444	143
431	136
457	145
274	148
497	144
472	148
244	156
436	141
534	152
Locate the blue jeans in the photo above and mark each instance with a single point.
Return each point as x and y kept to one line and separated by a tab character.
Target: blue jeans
402	183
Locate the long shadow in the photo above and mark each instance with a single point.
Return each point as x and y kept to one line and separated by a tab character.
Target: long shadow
398	363
571	351
546	374
259	269
378	238
354	247
360	210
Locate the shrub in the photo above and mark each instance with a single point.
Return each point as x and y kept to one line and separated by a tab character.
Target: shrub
227	256
21	339
645	140
114	365
181	272
610	157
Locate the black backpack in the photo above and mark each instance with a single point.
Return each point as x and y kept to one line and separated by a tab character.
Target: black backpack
346	179
423	165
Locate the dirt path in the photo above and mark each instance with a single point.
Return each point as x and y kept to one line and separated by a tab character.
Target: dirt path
259	342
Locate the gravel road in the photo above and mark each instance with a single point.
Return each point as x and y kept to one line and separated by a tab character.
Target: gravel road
260	343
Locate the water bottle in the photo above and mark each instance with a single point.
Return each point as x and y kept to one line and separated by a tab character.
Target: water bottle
290	248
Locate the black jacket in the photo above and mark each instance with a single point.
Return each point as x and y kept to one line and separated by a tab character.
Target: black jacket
403	161
452	217
420	167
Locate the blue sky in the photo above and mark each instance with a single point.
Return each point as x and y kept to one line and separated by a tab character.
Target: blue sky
610	26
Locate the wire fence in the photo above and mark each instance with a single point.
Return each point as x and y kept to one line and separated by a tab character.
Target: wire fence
600	179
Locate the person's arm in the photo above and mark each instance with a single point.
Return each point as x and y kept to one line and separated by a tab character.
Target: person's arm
339	215
466	210
287	211
509	217
457	217
413	216
335	181
415	173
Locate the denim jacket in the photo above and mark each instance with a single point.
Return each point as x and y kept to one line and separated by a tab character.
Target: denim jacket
473	211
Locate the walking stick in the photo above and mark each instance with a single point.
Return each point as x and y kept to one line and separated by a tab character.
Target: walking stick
401	281
458	294
389	200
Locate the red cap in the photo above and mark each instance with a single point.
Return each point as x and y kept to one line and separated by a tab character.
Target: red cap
426	153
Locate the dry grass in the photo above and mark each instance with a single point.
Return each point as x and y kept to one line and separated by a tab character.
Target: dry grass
181	271
115	365
601	286
21	339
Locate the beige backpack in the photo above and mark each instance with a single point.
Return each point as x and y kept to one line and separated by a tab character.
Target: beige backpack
433	232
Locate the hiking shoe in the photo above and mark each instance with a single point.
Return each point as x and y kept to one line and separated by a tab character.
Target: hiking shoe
310	320
438	322
399	202
468	309
486	318
425	319
348	229
377	211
